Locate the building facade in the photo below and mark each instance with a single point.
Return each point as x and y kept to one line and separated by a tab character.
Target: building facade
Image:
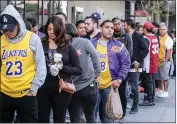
75	10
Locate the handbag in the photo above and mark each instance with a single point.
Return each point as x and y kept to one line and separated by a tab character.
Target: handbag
65	86
113	105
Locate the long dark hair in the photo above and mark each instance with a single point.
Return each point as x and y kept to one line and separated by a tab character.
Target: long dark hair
59	30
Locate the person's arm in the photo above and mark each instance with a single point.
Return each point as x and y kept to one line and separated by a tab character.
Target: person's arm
169	48
144	48
129	45
40	75
94	57
125	62
75	68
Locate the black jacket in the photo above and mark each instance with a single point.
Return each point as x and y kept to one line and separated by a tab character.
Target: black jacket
126	40
140	48
71	66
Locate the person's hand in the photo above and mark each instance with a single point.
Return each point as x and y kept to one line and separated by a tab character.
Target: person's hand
116	84
31	93
54	69
97	79
60	65
136	64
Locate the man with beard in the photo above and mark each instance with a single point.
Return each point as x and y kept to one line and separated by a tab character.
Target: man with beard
91	25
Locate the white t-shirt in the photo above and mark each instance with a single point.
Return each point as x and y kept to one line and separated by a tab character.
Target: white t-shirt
169	43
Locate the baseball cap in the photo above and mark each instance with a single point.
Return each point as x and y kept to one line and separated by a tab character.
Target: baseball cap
148	25
7	22
96	15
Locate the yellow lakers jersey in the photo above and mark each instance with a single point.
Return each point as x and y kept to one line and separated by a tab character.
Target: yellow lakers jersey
162	51
105	76
18	66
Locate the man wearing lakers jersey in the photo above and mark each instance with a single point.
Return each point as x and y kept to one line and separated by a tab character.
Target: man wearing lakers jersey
23	68
115	64
165	57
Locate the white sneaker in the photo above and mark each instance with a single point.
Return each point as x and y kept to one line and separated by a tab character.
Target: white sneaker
164	95
159	92
128	105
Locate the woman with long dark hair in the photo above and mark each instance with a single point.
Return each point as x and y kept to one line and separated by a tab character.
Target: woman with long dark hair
49	96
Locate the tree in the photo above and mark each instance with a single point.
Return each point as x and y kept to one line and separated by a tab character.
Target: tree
157	9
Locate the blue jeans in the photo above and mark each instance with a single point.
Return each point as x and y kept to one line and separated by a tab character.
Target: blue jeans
128	92
101	105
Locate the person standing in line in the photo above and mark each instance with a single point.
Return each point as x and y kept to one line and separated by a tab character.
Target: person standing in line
139	28
49	97
140	51
87	83
150	65
165	56
23	69
62	16
123	37
156	33
115	64
91	26
98	17
28	25
34	28
173	36
80	25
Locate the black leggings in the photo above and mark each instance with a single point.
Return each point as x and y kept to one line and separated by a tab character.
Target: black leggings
59	103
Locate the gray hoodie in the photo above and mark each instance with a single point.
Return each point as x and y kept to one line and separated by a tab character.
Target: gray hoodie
35	45
89	61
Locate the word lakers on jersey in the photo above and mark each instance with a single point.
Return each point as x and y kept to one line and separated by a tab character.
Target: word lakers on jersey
18	66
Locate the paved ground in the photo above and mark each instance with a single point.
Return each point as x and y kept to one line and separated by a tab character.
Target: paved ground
162	112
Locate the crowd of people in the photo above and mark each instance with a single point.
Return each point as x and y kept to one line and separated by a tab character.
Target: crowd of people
92	55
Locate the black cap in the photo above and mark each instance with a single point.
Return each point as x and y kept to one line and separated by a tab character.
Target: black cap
7	22
96	15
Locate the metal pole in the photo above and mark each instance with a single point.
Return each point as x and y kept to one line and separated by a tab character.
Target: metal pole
49	8
42	12
38	11
132	9
167	18
24	11
0	5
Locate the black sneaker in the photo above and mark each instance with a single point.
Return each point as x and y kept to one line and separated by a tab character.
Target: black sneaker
153	103
146	103
133	110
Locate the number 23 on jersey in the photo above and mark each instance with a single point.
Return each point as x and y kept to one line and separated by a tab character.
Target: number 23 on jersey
14	68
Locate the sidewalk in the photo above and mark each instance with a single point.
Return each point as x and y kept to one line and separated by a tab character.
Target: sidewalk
162	112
